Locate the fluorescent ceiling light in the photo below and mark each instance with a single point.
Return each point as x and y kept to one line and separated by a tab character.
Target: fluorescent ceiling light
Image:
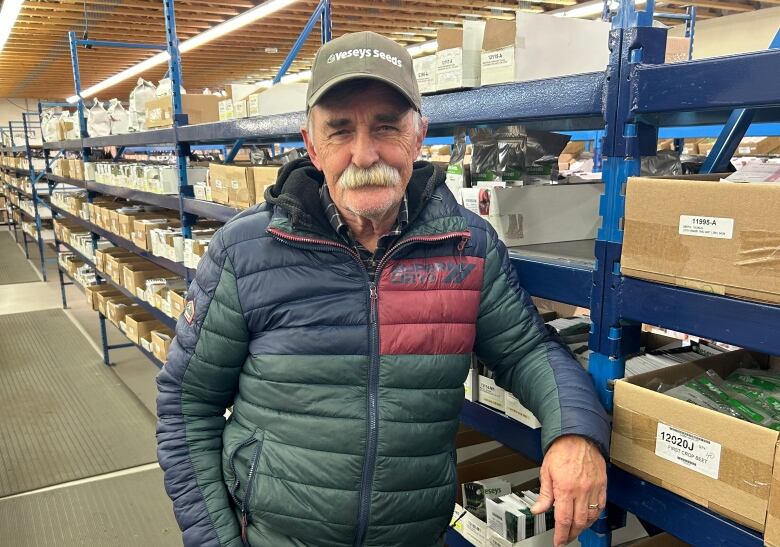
8	14
587	9
237	22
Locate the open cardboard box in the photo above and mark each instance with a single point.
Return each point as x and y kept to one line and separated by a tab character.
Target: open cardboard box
458	56
712	236
734	466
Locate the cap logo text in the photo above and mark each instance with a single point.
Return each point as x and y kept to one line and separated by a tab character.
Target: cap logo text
364	53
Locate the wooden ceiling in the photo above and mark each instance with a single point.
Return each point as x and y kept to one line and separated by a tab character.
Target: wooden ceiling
35	62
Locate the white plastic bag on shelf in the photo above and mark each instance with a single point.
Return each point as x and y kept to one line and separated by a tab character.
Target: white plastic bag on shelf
98	121
164	88
70	125
120	118
50	123
144	91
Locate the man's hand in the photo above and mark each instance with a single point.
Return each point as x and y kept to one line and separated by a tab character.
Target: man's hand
574	477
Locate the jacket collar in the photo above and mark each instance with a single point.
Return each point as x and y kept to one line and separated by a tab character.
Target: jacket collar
298	208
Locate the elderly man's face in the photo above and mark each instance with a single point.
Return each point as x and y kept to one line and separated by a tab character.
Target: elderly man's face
364	138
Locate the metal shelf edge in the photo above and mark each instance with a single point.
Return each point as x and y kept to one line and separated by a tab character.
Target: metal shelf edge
680	517
505	430
743	323
569	283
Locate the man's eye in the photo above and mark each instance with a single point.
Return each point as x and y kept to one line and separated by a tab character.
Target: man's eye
340	133
387	128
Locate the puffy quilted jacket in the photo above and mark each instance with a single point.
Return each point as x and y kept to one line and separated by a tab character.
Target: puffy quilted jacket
346	392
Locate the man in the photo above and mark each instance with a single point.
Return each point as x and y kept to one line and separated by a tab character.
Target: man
339	318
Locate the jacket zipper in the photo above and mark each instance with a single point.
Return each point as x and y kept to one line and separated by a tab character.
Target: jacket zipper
373	372
248	493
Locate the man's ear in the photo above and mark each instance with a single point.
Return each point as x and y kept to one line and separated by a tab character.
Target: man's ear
421	136
308	141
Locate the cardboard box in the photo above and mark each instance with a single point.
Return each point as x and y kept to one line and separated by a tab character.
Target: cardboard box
677	49
142	228
711	236
490	394
104	298
92	292
528	215
728	465
225	110
253	104
114	265
177	300
240	182
425	71
458	56
474	530
758	146
263	177
547	46
134	276
138	325
239	92
219	181
283	99
101	254
161	342
240	109
198	108
498	52
116	310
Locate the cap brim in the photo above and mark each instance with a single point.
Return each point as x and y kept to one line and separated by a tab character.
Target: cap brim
317	95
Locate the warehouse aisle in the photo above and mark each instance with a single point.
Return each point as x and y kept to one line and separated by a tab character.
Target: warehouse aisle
78	465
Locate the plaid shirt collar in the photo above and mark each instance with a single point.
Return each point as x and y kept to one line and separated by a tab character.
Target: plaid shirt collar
341	227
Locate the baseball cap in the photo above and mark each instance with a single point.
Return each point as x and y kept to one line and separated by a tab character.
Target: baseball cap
363	55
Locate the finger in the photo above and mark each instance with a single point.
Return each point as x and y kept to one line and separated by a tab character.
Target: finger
593	513
564	515
580	522
546	498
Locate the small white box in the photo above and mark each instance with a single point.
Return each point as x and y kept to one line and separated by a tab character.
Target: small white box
425	71
540	540
458	57
518	412
225	110
490	394
239	109
474	530
471	386
528	215
199	190
253	105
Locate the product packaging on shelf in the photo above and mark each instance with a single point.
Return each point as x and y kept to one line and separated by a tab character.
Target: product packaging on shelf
458	56
528	215
715	460
716	237
283	99
198	108
425	71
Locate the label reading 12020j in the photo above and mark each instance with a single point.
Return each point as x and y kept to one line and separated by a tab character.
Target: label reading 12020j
688	450
717	227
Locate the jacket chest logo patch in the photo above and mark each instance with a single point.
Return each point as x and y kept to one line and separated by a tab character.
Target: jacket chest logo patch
431	273
189	311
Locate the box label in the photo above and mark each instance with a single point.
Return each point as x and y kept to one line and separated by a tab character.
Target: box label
688	450
716	227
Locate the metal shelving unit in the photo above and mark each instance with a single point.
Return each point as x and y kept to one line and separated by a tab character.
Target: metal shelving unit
629	101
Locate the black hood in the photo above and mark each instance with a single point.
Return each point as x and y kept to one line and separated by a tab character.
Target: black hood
297	191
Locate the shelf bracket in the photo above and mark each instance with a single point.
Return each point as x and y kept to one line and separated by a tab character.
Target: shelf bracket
230	156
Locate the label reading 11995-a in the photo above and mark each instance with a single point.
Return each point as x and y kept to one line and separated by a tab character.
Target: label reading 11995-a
688	450
717	227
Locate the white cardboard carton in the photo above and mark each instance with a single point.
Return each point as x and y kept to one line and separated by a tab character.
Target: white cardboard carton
458	57
425	71
283	98
529	215
518	412
490	394
537	46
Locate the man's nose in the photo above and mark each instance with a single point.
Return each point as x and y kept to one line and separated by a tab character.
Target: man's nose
364	151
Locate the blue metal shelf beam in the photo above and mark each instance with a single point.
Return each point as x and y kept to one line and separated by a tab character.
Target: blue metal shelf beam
562	281
73	144
717	83
680	517
161	200
740	322
140	138
505	430
208	209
